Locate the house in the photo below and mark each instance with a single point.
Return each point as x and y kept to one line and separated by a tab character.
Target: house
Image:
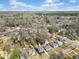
22	56
47	47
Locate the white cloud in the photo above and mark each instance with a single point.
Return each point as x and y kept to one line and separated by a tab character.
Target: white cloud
52	5
72	8
16	4
73	1
47	5
48	1
51	1
2	8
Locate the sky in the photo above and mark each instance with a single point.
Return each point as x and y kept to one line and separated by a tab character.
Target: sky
39	5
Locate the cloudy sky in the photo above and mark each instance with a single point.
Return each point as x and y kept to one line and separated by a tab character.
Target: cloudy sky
39	5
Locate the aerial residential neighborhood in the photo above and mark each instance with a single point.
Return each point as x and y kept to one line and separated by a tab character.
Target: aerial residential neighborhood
39	29
34	35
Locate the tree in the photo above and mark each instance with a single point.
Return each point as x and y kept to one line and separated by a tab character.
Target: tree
15	54
2	57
